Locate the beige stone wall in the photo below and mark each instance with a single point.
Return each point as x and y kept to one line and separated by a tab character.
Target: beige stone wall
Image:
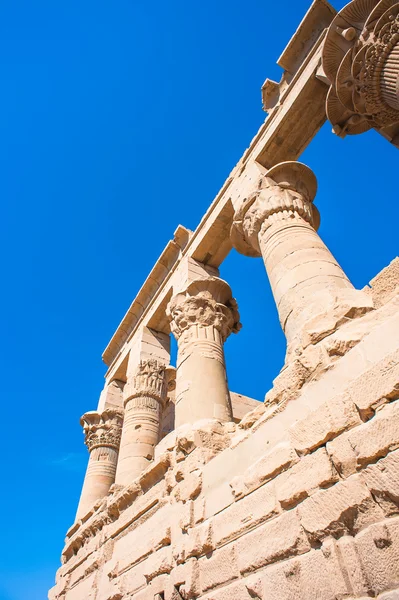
300	502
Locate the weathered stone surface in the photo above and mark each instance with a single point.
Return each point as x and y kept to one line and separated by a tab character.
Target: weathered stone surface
277	459
313	576
236	590
281	538
382	479
311	472
245	514
378	550
218	567
365	444
346	507
195	543
325	423
386	283
376	387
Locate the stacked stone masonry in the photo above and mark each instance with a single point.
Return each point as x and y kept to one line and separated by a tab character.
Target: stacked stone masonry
193	491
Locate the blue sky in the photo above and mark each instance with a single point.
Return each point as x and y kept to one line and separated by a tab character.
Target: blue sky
119	120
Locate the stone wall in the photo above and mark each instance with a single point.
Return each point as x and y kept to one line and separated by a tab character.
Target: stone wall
300	501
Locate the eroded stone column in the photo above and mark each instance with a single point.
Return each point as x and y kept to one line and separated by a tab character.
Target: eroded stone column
102	437
202	317
144	400
279	223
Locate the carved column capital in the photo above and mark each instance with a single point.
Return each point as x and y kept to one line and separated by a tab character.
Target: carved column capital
204	303
102	429
361	61
149	381
284	196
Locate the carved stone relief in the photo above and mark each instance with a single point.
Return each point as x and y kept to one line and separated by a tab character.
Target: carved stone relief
361	60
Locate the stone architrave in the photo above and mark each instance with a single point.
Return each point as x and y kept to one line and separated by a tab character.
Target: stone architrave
102	438
361	61
279	223
202	317
144	402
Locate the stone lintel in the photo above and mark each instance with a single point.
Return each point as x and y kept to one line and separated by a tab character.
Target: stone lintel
318	18
151	285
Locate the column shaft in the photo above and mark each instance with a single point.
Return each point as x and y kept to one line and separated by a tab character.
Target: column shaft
279	223
102	437
299	266
202	317
100	475
201	383
144	399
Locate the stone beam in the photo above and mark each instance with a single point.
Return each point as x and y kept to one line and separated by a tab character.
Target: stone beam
299	110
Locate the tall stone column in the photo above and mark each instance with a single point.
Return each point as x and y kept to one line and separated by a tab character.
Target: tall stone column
102	437
279	223
144	400
202	317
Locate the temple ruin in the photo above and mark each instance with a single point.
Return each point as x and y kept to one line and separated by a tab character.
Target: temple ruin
194	491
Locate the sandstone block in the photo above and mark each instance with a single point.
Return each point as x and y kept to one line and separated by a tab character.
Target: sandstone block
364	444
85	568
233	591
245	514
277	540
158	563
288	383
130	581
85	589
279	458
217	568
190	487
386	283
311	472
378	550
198	541
377	386
323	424
344	508
153	534
315	575
186	578
352	567
382	479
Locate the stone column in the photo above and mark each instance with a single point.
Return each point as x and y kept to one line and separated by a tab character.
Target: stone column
279	223
144	400
102	436
202	317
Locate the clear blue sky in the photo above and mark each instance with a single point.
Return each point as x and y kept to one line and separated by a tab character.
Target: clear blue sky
119	120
